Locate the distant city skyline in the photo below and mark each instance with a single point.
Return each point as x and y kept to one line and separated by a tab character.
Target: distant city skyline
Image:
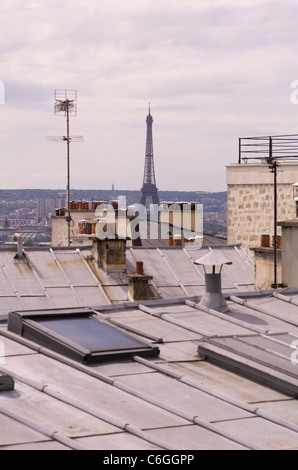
212	72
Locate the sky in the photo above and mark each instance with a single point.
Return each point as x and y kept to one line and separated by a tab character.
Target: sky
212	72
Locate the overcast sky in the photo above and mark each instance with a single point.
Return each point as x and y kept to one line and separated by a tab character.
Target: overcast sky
213	72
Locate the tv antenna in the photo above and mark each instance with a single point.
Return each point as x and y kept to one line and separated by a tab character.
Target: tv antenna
66	105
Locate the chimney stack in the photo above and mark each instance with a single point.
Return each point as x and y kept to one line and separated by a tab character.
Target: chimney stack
110	254
138	284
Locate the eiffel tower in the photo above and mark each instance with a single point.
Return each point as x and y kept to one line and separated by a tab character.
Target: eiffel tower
149	188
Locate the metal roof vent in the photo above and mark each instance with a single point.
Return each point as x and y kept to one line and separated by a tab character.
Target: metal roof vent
6	383
213	297
19	239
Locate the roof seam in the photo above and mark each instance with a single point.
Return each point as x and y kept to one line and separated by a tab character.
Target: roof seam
226	317
99	285
183	379
44	388
284	298
251	305
31	264
193	419
55	435
12	285
172	271
167	318
65	276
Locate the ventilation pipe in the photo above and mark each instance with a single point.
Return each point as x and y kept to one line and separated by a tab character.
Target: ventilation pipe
213	297
19	239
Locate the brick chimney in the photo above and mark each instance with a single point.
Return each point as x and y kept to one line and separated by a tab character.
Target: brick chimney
110	254
138	284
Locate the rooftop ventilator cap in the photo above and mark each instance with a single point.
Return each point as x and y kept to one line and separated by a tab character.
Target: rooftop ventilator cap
6	382
213	297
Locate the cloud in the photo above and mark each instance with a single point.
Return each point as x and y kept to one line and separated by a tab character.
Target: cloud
213	71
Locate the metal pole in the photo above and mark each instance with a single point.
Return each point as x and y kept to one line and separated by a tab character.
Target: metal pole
68	174
273	167
275	224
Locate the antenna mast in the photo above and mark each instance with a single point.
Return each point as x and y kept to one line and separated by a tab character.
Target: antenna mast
66	105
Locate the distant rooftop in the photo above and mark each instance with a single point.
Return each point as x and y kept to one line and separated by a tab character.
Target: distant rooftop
69	277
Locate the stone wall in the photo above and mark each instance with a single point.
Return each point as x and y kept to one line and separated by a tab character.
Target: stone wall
251	212
251	201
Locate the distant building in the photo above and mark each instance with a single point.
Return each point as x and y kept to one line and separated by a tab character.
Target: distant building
175	224
45	207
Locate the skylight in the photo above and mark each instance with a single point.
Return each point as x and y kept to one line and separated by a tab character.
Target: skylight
78	334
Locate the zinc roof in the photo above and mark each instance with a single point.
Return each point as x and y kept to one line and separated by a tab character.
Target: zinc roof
47	277
179	400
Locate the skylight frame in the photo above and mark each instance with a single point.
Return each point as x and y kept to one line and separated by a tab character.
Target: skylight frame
25	324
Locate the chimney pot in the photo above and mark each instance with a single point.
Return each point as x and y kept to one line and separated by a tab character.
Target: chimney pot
138	284
139	267
265	240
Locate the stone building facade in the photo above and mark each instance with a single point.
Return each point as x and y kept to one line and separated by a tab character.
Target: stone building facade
250	199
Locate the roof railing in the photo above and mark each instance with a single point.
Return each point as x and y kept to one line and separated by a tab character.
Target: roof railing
268	148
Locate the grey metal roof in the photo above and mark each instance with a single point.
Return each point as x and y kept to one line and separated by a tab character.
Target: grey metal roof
49	277
175	273
178	400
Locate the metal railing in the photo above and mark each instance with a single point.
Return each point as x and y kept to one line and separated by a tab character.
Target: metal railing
268	148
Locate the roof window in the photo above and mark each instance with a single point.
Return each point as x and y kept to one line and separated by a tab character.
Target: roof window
78	334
